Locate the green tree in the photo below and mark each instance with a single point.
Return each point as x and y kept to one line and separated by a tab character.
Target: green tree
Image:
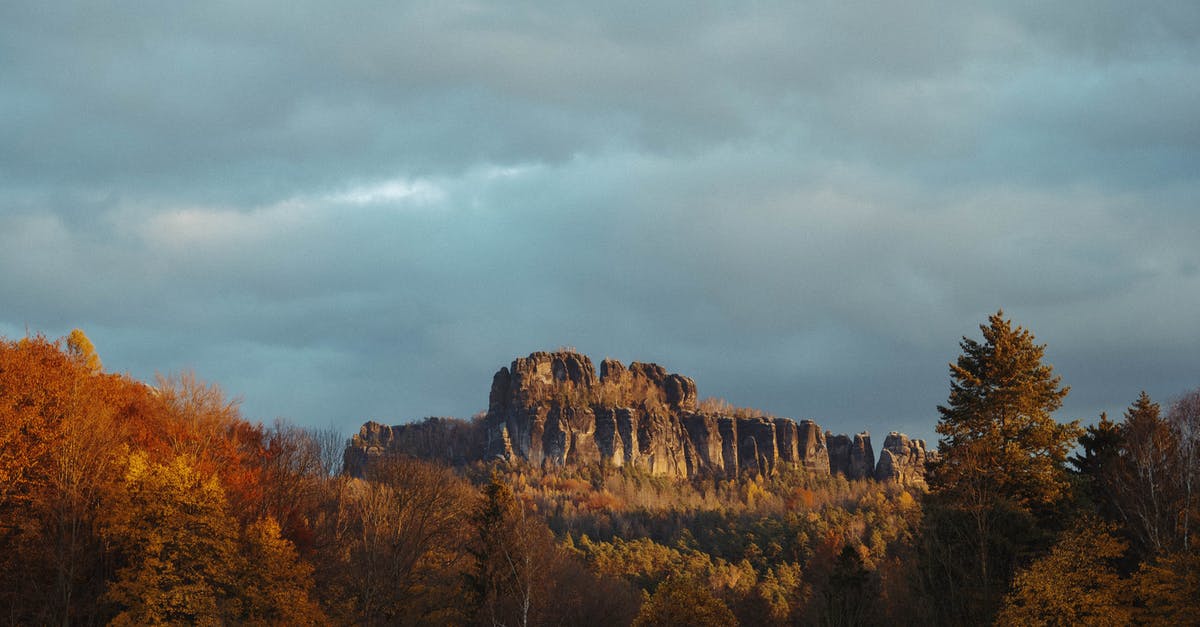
1001	468
1098	463
852	593
1075	584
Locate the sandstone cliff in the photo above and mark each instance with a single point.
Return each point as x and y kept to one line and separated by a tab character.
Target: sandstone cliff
902	460
552	409
852	458
448	440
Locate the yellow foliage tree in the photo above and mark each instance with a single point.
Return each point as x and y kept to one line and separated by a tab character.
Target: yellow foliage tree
1075	584
275	584
684	601
1169	588
81	348
180	542
186	561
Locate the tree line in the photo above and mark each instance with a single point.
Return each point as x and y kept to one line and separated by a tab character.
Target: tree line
128	503
1018	530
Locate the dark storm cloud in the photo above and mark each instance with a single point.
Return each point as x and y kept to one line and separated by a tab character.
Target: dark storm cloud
362	210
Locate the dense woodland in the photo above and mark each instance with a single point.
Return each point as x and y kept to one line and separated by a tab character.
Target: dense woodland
128	503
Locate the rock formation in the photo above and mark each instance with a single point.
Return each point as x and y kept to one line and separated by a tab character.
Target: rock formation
550	409
553	410
447	439
851	458
812	450
902	460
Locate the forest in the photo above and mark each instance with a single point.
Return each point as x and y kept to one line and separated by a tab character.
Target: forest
124	502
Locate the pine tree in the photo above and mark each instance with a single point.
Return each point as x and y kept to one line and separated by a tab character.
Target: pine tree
1001	469
1100	446
513	553
997	424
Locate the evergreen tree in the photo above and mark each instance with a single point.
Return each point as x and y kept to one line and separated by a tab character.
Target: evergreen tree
1098	465
850	596
1100	448
514	555
997	426
1144	486
1001	469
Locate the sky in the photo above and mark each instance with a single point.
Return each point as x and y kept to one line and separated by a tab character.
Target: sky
361	210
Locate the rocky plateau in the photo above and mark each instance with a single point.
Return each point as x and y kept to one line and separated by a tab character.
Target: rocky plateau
552	409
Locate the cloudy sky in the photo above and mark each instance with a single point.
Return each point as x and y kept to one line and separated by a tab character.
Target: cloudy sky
360	210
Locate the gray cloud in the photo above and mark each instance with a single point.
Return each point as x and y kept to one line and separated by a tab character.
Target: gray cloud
362	211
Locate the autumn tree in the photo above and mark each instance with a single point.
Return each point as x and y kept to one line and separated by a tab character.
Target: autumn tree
1002	455
200	421
1168	589
83	351
1075	584
274	584
680	600
186	560
62	421
84	471
179	543
35	384
402	533
291	470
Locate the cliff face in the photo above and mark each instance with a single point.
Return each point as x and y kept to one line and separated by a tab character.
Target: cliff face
852	458
551	409
902	460
447	439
